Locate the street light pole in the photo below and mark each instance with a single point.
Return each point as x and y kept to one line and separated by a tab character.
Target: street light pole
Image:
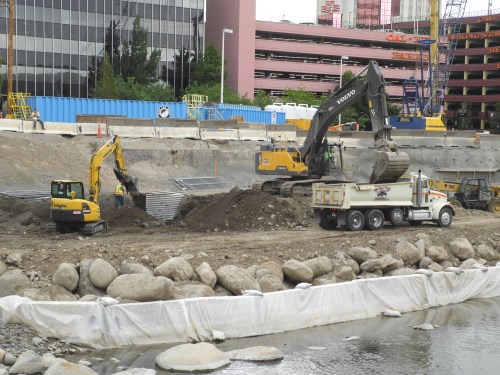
342	58
224	31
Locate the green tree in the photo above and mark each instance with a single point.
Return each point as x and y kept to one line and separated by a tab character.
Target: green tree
179	75
207	69
261	99
134	60
130	90
106	87
300	96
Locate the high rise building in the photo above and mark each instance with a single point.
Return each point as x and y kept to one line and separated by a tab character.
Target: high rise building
55	41
373	13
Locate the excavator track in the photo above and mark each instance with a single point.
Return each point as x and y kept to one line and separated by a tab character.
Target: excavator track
292	188
389	166
92	229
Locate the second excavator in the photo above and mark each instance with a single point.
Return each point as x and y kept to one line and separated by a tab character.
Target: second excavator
300	166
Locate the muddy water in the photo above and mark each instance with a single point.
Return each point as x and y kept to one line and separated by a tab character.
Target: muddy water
465	342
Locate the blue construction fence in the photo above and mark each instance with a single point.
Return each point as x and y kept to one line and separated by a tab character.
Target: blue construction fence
56	109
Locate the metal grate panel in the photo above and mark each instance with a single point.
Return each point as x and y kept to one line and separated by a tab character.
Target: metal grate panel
201	183
30	196
163	205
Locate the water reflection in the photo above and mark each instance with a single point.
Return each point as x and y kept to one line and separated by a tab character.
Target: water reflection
465	342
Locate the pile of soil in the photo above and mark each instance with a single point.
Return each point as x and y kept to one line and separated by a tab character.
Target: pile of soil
16	214
241	210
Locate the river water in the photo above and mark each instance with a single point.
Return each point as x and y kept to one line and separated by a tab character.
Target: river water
465	341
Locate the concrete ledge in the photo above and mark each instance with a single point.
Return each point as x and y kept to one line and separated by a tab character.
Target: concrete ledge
218	124
12	125
175	122
252	135
90	128
62	128
178	132
136	122
227	134
132	131
283	136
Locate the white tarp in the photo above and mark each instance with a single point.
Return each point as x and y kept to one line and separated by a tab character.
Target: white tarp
93	324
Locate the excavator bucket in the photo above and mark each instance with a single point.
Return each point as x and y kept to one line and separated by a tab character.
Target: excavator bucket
127	181
389	166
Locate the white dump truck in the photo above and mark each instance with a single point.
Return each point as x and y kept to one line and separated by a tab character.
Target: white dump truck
362	205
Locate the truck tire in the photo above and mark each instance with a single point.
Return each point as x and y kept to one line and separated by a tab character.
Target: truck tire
374	219
327	221
355	221
445	218
494	206
396	216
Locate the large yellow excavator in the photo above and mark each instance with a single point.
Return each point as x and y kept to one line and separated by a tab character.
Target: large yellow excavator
68	207
301	166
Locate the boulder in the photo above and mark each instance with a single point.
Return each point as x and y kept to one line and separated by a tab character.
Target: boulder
15	259
445	264
192	357
101	273
206	274
68	368
269	283
384	263
297	271
191	290
85	286
486	252
47	293
130	267
400	272
274	269
362	254
462	248
66	276
3	268
371	275
354	265
176	268
28	362
327	279
425	262
408	253
468	263
220	291
255	353
435	267
12	281
420	245
343	272
141	288
320	266
236	279
436	253
425	238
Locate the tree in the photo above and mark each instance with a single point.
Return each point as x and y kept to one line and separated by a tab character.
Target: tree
131	90
179	75
134	60
207	69
106	87
261	99
300	96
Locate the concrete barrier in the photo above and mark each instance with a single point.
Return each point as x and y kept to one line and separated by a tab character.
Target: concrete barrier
91	128
282	133
62	128
219	134
178	132
12	125
132	131
176	122
134	122
218	124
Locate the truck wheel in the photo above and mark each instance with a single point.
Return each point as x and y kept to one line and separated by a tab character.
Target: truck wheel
355	221
396	217
494	206
327	221
445	218
374	219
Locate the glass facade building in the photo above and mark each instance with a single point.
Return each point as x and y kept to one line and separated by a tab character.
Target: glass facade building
56	40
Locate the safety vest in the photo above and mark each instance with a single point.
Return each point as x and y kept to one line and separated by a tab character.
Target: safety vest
119	190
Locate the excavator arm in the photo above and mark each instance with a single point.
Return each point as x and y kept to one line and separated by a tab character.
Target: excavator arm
113	146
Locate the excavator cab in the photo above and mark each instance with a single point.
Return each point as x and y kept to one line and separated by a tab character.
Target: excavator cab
67	189
476	193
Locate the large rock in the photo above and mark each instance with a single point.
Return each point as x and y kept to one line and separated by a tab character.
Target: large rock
176	268
420	245
385	264
141	288
85	286
15	259
130	267
425	262
47	293
424	237
66	276
468	263
487	252
192	357
408	252
191	290
354	265
297	271
274	269
320	266
343	271
400	272
269	283
236	279
362	254
101	273
206	274
28	363
436	253
255	353
435	267
68	368
462	248
12	281
3	268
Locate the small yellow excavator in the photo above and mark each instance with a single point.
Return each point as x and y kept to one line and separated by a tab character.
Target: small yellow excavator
69	210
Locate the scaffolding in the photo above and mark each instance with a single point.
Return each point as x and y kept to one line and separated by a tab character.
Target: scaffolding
17	102
195	104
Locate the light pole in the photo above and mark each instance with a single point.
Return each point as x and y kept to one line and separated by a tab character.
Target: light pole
224	31
342	58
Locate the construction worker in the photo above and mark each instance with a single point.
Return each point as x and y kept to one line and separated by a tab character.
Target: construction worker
119	195
35	115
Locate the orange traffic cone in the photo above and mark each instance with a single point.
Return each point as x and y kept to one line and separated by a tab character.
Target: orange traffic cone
99	130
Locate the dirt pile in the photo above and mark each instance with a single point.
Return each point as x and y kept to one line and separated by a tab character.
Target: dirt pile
241	210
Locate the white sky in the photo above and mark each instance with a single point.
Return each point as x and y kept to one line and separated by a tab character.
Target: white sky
305	10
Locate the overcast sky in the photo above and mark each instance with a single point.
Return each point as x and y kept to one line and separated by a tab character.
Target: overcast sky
305	10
